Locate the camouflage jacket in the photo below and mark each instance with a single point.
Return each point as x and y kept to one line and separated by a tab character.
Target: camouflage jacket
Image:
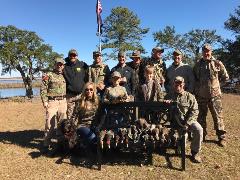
87	116
182	70
207	75
115	94
159	68
126	72
99	74
150	91
186	105
53	84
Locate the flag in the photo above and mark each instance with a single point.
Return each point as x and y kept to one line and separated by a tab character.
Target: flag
99	19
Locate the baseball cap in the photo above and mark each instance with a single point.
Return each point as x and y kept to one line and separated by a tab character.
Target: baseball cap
177	51
59	60
121	53
72	51
158	49
96	53
135	53
179	79
116	74
207	47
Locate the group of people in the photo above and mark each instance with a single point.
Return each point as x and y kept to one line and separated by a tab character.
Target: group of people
75	91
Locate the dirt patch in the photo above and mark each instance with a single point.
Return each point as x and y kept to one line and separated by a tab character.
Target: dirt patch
21	132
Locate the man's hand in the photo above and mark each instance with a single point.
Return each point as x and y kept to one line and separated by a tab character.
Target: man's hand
45	105
219	65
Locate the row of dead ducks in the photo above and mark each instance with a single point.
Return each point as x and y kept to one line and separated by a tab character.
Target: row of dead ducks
142	133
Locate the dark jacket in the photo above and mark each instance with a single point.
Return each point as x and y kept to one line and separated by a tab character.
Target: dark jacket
138	75
75	76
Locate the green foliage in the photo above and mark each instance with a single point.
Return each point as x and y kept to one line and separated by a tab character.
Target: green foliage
25	52
189	43
121	32
230	54
233	23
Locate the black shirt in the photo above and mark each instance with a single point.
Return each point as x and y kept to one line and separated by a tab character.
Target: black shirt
75	76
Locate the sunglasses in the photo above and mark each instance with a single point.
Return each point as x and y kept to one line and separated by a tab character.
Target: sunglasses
60	64
72	55
90	89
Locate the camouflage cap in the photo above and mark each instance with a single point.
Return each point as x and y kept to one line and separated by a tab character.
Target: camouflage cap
179	79
59	60
135	54
96	53
116	74
177	51
72	51
207	47
158	49
121	53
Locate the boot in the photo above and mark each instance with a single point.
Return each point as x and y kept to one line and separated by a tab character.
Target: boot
195	158
222	143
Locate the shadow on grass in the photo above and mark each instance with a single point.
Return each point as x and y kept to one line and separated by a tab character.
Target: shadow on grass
89	160
27	139
33	138
114	157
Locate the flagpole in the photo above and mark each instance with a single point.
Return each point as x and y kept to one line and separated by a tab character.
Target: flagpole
99	37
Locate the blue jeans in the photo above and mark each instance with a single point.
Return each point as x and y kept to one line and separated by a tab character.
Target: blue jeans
87	135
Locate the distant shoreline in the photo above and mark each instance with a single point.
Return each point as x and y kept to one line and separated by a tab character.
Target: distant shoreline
18	85
15	78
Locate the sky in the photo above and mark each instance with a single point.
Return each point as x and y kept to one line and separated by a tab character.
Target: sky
67	24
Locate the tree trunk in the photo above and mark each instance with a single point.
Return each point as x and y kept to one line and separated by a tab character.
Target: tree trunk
28	86
27	80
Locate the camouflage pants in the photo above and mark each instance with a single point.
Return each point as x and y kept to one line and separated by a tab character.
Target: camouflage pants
70	105
55	112
215	106
197	136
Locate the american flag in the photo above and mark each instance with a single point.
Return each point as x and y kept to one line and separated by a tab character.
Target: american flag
99	19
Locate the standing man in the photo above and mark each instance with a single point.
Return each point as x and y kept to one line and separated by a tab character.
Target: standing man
99	73
125	71
75	72
138	70
53	95
187	111
179	69
159	65
208	72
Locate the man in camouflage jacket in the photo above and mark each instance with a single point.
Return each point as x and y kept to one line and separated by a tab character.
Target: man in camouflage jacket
187	114
208	72
158	63
53	95
99	73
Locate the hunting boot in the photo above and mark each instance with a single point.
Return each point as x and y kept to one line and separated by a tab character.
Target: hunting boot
222	142
221	138
195	158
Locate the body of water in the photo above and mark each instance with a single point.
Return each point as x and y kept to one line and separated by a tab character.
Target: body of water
5	81
10	92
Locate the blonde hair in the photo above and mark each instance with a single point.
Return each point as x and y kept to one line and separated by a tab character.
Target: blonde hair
149	69
83	98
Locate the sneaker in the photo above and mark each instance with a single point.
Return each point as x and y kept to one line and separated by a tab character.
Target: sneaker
195	158
222	143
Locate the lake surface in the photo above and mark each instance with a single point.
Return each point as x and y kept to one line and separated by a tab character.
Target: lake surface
10	92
